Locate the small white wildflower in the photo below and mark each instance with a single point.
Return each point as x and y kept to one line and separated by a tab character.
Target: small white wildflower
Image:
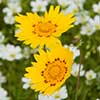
26	82
73	49
79	3
87	30
95	22
12	52
9	19
15	7
75	70
82	17
90	75
96	8
7	11
63	3
12	8
58	95
71	9
39	5
3	94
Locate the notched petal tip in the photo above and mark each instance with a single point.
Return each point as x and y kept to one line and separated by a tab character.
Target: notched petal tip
57	8
28	69
36	56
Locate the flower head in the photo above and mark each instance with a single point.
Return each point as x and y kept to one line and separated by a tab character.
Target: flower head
12	52
39	5
75	70
90	75
51	70
96	8
86	29
43	30
95	22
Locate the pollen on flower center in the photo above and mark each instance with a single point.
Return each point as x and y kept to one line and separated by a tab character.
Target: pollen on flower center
54	72
12	55
44	29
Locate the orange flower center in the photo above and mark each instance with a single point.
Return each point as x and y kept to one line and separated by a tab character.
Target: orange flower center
54	72
44	29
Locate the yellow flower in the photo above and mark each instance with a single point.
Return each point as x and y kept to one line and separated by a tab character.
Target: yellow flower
50	70
43	30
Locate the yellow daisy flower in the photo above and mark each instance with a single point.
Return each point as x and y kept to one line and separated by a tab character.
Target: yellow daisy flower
43	30
51	70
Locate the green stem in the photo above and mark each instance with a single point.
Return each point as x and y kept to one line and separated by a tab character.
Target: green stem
78	78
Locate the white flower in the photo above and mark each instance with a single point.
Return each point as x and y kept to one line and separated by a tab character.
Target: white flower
2	78
71	9
7	11
87	30
9	19
3	94
98	48
79	3
15	7
73	5
26	82
58	95
73	49
39	5
75	70
82	17
95	22
63	3
1	37
90	75
12	8
12	53
96	8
